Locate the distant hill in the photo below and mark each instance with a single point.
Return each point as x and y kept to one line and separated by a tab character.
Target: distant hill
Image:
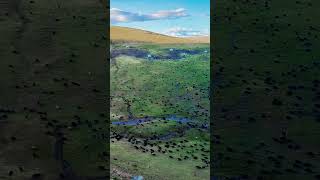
203	39
118	33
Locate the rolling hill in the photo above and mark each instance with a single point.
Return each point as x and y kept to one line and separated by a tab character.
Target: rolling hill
118	33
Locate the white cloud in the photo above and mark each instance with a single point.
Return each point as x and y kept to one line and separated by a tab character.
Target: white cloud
185	32
118	15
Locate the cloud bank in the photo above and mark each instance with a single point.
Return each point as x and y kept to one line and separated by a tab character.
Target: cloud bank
118	15
184	32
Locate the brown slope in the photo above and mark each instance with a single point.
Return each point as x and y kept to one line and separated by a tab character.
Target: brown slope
118	33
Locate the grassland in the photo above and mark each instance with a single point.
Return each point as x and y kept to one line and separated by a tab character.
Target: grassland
46	95
155	77
153	167
265	74
158	84
125	34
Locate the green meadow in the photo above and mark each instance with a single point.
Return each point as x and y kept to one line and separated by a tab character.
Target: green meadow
164	89
47	50
265	80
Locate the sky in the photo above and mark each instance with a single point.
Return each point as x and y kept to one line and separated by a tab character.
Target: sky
181	18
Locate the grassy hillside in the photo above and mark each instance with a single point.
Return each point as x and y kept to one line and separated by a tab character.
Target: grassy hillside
201	39
47	96
178	88
125	34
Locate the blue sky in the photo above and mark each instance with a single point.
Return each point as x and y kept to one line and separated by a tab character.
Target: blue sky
172	17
